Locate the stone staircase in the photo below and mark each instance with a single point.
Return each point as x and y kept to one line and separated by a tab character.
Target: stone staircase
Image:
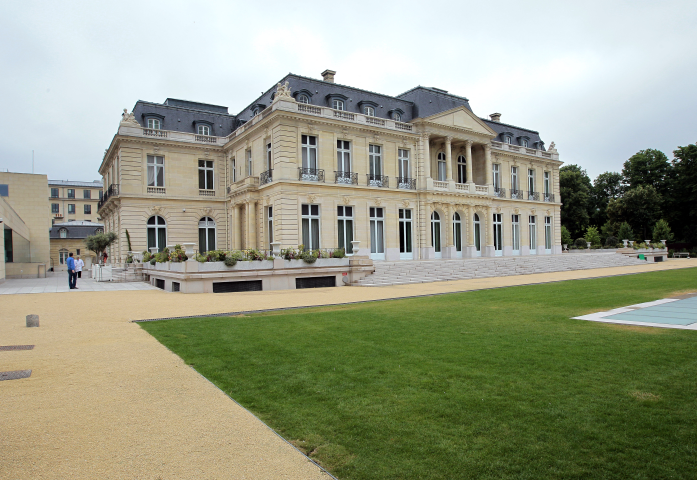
131	273
425	271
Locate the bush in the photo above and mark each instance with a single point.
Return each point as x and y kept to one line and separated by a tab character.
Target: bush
338	253
153	261
162	256
230	261
661	231
146	256
309	257
611	242
625	232
565	236
592	236
580	243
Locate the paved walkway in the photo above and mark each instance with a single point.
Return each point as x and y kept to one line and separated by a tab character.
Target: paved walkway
106	400
59	283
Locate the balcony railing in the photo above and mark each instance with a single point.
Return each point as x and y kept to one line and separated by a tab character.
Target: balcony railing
113	190
440	184
516	194
346	178
528	151
406	183
153	132
548	197
266	177
206	139
499	192
378	181
311	174
206	193
534	196
157	190
482	189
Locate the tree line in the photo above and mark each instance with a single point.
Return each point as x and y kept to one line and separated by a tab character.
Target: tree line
651	192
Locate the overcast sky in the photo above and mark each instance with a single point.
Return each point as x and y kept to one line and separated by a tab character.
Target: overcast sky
601	79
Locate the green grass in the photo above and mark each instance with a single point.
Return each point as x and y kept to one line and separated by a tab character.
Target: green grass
488	384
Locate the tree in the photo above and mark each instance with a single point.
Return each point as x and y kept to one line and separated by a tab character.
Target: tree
592	236
640	207
661	231
647	167
575	187
565	236
607	186
681	204
625	232
99	242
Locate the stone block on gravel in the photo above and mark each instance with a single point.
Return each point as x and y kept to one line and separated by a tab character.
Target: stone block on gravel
32	320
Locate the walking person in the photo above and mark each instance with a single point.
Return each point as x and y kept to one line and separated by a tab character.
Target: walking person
79	264
72	274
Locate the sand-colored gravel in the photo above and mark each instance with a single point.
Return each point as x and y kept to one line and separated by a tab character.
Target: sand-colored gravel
106	401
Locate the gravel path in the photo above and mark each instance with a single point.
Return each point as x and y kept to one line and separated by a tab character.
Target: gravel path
105	400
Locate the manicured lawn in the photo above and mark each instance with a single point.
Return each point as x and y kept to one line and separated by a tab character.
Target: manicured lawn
489	384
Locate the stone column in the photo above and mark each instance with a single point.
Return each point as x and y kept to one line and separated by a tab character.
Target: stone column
487	224
468	159
423	171
448	159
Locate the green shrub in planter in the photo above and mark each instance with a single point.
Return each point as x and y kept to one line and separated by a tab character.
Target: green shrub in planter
153	261
339	253
580	243
230	261
565	236
146	256
310	257
592	236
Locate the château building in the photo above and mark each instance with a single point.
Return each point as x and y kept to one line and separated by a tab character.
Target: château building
314	163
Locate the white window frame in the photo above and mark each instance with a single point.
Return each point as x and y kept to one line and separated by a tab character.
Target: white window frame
204	130
369	111
457	234
63	255
442	167
377	233
477	235
338	104
250	163
397	117
515	234
156	226
154	124
406	234
496	173
548	235
531	181
156	163
532	234
461	169
302	98
269	224
62	233
436	235
207	224
269	165
309	152
497	225
547	184
514	178
403	162
206	169
507	139
343	156
375	165
313	222
525	142
345	226
234	170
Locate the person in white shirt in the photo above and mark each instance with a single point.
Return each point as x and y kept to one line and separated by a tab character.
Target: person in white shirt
78	266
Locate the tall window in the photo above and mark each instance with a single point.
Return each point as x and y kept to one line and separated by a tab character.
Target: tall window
375	165
54	193
101	194
338	104
71	193
309	146
156	171
269	163
343	156
205	175
302	98
515	234
477	236
269	223
369	111
55	208
496	170
206	234
157	233
531	180
310	226
87	194
71	208
547	184
345	224
249	163
403	160
548	234
204	130
514	178
441	167
234	171
532	228
88	209
457	233
435	233
377	233
63	257
154	123
406	250
461	169
498	235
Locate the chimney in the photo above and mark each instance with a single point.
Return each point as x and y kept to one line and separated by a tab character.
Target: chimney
328	75
495	117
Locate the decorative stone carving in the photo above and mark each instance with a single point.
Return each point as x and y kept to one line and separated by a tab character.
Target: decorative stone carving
552	148
206	153
344	131
532	211
347	199
376	138
378	202
311	197
283	91
548	212
516	211
405	203
155	149
129	118
497	209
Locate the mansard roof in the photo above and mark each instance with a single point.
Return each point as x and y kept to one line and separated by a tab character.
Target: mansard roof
181	115
503	128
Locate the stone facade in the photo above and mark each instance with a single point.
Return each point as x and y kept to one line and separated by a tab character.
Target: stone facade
69	202
451	172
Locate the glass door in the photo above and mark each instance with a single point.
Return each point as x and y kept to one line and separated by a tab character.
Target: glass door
406	251
548	235
532	228
457	235
345	225
498	235
515	234
477	237
377	233
435	234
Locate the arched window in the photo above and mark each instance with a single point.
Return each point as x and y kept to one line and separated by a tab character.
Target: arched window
62	256
157	233
204	130
369	111
397	117
206	234
441	167
461	169
435	233
302	98
477	236
457	234
63	233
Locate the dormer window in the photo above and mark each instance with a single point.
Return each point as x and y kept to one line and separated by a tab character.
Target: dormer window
204	130
367	107
203	127
397	117
523	141
337	104
396	114
255	112
154	123
369	111
337	101
63	233
507	139
302	98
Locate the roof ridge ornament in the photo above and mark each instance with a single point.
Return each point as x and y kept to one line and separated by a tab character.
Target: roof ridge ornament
283	90
552	148
128	118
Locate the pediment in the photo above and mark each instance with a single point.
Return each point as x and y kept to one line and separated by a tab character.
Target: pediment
461	117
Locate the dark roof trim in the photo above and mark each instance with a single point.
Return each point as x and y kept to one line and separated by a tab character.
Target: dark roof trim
439	91
491	122
176	107
304	91
151	115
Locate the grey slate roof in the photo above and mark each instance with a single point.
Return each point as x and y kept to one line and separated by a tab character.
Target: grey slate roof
70	183
419	102
77	229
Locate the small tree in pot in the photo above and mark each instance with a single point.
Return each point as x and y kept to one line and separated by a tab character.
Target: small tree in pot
99	242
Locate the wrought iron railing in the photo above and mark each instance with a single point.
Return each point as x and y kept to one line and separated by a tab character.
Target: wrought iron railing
548	197
378	180
499	192
310	174
516	194
347	178
113	190
533	196
266	177
406	183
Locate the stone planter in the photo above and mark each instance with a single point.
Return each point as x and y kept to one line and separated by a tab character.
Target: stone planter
251	265
331	262
211	266
162	266
625	243
176	266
